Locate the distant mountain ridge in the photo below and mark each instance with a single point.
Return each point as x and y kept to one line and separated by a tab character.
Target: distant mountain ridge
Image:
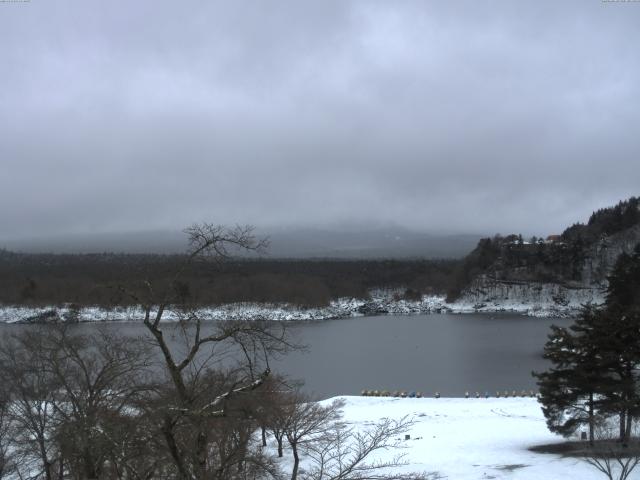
284	243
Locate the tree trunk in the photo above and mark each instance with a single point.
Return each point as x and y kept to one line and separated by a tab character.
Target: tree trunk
201	455
264	437
61	468
296	462
45	460
242	453
47	470
89	467
591	420
623	424
167	430
174	372
279	446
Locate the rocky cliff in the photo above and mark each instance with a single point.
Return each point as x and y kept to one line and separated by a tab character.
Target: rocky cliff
499	288
602	255
487	294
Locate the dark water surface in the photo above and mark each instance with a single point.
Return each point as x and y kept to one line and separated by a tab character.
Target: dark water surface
447	353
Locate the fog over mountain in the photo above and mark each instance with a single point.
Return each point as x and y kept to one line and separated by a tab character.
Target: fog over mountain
449	117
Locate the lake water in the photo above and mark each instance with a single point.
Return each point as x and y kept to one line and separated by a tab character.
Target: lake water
447	353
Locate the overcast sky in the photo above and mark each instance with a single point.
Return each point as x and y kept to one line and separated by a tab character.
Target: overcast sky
442	116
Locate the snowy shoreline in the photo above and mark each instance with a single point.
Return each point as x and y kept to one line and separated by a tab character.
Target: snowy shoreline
381	302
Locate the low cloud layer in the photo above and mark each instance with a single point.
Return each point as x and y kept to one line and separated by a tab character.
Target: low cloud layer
441	116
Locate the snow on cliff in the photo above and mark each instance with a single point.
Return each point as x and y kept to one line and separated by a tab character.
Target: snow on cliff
534	299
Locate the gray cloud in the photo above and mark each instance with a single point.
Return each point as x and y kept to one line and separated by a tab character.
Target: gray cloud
439	116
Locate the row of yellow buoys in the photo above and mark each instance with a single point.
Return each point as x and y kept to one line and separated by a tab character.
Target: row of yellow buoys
404	394
396	393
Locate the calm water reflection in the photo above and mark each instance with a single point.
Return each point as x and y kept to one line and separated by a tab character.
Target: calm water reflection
445	353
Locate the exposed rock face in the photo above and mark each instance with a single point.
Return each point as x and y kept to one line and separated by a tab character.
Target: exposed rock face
603	254
533	298
488	293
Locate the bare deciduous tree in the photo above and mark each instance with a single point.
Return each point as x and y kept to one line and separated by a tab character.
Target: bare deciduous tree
7	456
68	395
615	459
31	398
192	401
98	377
306	422
345	453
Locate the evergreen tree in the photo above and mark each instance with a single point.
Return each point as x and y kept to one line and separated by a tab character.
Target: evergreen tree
568	390
596	362
619	338
623	293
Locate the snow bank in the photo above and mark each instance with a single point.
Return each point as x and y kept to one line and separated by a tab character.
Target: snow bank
382	301
473	438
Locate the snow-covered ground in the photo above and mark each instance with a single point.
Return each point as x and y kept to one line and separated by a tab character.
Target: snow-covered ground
465	439
382	301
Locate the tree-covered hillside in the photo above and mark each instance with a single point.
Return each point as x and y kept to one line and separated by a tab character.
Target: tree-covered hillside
88	279
558	259
606	221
